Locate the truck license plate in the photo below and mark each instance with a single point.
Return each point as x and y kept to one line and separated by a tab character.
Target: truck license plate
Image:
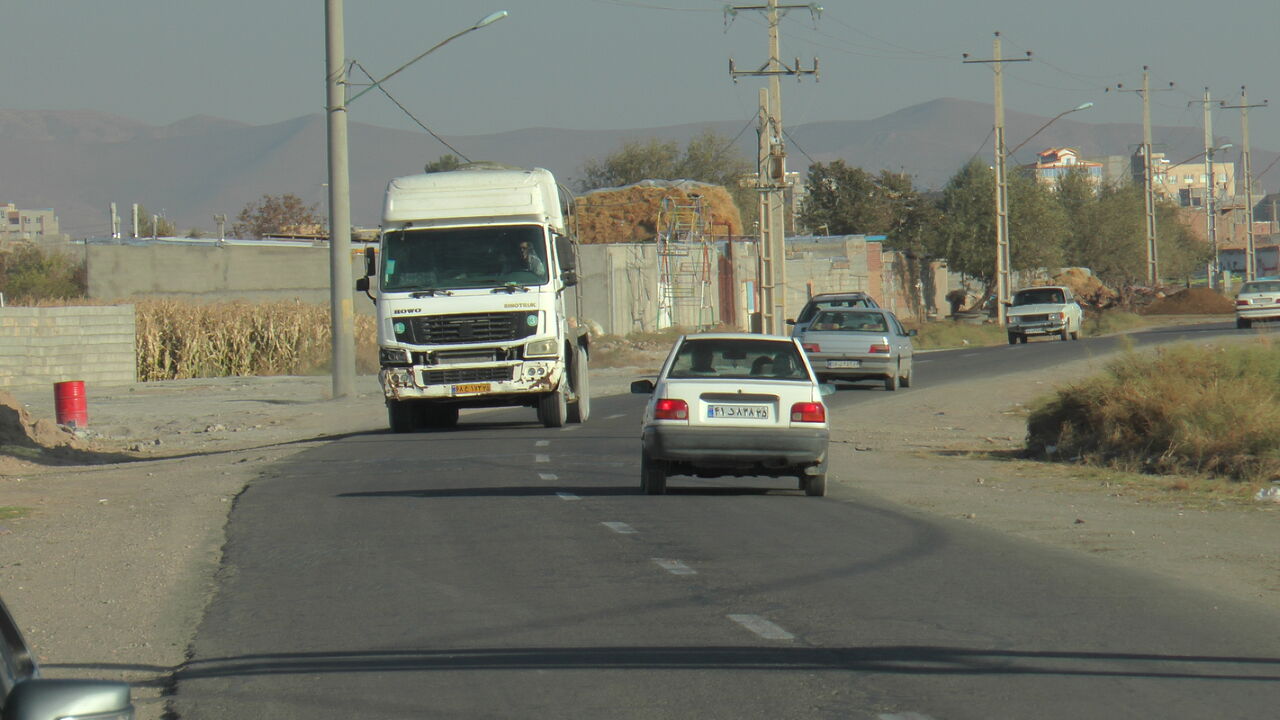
750	412
844	363
471	389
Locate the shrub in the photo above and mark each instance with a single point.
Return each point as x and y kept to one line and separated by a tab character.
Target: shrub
1181	409
29	274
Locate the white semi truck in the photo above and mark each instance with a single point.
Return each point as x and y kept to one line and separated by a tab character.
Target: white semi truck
475	274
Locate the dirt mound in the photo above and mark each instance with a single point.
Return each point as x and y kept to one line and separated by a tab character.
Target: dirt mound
17	428
631	213
1191	301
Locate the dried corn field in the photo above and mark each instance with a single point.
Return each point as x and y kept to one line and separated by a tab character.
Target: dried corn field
177	340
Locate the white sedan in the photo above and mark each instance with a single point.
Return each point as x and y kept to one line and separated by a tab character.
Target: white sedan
734	404
1258	301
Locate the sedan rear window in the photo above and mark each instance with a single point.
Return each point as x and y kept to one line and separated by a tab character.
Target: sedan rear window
738	358
1260	287
832	321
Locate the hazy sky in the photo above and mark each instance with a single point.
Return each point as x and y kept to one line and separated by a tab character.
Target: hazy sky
637	63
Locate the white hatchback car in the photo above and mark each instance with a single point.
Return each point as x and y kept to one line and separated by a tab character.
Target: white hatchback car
1259	300
734	404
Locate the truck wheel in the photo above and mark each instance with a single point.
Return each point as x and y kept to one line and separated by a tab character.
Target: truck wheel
580	409
402	417
653	477
1022	339
1075	335
552	408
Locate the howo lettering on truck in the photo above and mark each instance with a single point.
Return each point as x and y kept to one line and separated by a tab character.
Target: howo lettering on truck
475	271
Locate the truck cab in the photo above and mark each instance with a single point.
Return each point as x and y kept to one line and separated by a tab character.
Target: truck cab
473	272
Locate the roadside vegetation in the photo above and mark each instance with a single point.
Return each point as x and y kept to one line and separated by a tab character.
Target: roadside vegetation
178	340
1188	410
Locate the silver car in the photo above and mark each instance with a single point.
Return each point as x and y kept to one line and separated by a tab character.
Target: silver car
734	404
859	344
1258	301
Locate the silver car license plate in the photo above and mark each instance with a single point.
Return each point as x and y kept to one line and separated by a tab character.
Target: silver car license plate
749	412
844	363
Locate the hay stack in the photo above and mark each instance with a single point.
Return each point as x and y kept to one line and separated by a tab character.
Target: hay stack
630	213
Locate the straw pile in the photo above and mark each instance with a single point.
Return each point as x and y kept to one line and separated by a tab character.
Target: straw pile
630	214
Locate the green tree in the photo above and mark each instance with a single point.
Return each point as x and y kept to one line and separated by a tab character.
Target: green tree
28	273
154	225
444	163
708	157
275	215
1037	224
1181	253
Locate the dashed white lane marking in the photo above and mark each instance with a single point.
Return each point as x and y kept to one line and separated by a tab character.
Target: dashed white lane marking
615	417
620	527
568	496
969	355
570	427
542	443
675	567
762	627
542	458
548	476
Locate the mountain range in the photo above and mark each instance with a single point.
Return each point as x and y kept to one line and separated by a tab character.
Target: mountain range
77	162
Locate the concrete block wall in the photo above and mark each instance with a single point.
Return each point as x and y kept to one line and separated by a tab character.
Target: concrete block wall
43	345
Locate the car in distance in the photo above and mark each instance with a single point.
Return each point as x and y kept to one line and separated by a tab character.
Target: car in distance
860	344
734	404
1044	310
1258	301
829	301
25	695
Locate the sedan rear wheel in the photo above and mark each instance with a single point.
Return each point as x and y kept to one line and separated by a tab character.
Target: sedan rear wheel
906	379
891	382
815	485
653	477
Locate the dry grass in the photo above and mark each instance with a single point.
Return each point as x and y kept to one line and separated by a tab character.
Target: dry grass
177	340
1184	409
630	214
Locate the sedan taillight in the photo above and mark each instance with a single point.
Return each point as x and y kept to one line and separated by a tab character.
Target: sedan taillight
1246	302
811	347
808	412
880	348
671	409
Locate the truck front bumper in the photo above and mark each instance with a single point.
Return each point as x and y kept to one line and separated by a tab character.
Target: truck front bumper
463	382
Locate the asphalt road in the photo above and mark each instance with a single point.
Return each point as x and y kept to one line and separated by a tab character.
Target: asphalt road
505	570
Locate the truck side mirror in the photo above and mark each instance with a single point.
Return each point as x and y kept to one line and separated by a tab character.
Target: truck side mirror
370	262
569	278
567	253
362	284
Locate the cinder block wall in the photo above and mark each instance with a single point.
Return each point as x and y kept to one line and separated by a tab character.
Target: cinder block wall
44	345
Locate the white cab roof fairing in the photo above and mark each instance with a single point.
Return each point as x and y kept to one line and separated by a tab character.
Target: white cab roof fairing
480	195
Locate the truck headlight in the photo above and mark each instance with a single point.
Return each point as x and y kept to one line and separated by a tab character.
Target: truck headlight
542	348
393	356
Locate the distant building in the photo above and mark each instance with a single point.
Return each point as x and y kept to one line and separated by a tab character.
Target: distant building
1185	183
17	224
1053	163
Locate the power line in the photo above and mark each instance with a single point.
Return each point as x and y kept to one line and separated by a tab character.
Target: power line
456	151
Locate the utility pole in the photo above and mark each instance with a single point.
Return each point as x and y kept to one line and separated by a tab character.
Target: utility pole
1250	259
342	315
1208	173
772	175
221	219
1002	186
1148	177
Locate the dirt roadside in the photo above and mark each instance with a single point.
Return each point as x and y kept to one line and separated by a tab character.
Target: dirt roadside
108	567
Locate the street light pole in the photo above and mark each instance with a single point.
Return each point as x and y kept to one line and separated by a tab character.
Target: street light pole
342	324
342	320
1211	200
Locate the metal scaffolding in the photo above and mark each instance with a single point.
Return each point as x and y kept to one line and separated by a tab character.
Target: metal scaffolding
684	264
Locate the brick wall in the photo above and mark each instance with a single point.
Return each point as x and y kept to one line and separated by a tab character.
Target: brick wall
41	346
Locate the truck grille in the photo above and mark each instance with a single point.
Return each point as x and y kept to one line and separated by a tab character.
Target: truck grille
466	375
471	328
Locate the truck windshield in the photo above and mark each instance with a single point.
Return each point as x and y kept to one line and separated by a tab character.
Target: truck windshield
459	258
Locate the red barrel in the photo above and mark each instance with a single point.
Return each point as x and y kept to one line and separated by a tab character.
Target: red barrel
70	404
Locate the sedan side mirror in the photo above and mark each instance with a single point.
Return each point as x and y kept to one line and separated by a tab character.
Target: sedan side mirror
642	387
912	332
41	699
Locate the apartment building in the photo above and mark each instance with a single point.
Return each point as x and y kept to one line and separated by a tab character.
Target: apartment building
18	224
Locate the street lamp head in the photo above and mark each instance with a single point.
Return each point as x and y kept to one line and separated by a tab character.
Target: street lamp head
491	19
1083	106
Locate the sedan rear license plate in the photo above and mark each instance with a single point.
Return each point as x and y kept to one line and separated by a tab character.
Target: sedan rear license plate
471	389
844	363
750	412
